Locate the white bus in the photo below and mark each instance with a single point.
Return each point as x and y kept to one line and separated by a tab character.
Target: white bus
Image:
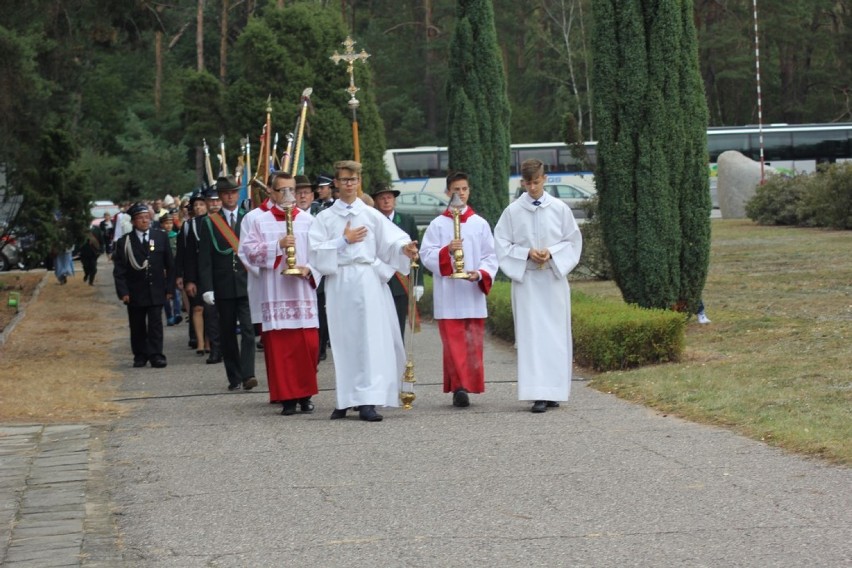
424	169
787	148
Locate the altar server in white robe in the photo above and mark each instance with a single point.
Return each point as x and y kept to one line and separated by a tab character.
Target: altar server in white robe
358	250
538	243
288	303
459	303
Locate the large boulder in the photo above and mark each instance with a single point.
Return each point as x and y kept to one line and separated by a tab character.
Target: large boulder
738	179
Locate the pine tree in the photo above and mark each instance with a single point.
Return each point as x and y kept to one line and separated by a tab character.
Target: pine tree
651	172
479	115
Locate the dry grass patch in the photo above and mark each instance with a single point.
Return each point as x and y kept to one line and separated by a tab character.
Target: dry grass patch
56	364
775	362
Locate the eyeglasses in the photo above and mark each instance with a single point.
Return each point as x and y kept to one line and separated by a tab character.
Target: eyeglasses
348	181
280	189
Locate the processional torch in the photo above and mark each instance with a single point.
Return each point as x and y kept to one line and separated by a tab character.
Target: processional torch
456	206
289	202
222	157
406	391
298	144
208	168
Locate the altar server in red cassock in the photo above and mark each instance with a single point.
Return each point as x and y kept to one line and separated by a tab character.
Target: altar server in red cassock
459	303
288	304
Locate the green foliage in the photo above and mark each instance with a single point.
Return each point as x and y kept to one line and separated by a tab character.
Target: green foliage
607	334
594	259
610	335
651	175
479	113
777	201
821	199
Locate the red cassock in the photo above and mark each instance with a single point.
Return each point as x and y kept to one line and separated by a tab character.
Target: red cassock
291	362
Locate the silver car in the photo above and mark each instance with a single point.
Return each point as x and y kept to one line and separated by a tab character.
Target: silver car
422	206
575	196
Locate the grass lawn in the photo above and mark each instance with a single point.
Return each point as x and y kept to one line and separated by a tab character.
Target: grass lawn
775	364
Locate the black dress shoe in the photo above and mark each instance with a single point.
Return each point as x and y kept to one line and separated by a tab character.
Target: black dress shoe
139	363
306	405
552	404
461	399
214	358
193	344
338	413
367	412
323	356
249	383
158	363
539	406
259	345
289	408
235	387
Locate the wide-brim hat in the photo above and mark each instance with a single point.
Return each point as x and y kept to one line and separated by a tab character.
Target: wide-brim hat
302	181
382	187
226	183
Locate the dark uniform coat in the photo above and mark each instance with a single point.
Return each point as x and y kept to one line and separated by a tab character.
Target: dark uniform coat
146	287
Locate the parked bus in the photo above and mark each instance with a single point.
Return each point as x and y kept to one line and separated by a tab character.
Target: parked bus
424	169
787	148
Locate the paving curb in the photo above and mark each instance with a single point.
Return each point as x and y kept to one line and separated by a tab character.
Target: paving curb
22	310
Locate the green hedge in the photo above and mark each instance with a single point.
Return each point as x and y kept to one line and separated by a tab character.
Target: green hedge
608	334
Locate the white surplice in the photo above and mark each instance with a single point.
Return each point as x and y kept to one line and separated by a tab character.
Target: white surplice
253	281
459	299
287	302
541	297
369	358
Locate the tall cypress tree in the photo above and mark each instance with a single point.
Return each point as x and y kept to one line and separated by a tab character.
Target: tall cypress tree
652	150
478	128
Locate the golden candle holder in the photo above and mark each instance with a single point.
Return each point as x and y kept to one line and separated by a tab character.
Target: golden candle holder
290	252
458	255
406	392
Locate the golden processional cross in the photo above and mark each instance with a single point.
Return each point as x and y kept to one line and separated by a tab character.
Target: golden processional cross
350	57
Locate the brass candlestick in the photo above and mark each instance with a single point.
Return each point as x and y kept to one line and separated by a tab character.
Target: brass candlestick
458	255
406	392
290	252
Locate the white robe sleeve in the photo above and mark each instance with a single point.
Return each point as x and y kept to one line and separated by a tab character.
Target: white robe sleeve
488	261
511	257
431	247
390	240
565	255
323	244
254	252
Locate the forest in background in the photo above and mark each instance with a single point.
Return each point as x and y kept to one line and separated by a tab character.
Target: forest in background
112	97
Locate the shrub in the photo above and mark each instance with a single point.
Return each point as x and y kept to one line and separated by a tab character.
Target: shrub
821	199
828	199
594	260
777	201
608	334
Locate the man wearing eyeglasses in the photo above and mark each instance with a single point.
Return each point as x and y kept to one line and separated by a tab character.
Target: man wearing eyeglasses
358	251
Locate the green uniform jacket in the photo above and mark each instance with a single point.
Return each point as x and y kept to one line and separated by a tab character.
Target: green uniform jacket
219	267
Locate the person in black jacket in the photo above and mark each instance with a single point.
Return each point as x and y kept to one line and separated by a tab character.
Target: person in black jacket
144	280
384	198
223	282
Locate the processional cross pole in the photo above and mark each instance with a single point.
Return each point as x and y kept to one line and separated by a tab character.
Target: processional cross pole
350	57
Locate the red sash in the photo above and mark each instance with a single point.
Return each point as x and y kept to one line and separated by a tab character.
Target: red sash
226	231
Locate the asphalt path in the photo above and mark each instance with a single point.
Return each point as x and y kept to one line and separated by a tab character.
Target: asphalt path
195	476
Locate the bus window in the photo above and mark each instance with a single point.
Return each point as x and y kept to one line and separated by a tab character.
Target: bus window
546	155
822	146
777	146
443	162
417	164
718	143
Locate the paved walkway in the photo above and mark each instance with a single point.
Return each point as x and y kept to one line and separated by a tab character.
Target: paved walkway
195	476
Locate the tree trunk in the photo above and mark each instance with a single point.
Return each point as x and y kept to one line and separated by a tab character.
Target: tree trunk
158	75
223	42
199	36
428	80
